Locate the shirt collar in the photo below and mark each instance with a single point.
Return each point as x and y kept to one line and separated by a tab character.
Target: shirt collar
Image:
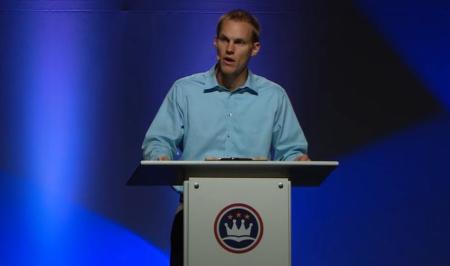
211	83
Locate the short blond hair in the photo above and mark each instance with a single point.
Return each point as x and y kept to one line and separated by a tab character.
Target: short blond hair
242	16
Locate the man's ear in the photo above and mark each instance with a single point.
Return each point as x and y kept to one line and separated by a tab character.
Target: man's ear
255	48
215	45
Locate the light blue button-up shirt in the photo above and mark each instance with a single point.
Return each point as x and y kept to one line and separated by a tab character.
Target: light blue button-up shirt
200	118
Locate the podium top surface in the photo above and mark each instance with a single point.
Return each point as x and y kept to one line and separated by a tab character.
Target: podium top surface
301	173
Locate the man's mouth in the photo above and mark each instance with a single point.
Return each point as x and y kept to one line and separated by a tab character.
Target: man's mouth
228	60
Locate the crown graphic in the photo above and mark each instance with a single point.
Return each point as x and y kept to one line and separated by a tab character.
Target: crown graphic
241	231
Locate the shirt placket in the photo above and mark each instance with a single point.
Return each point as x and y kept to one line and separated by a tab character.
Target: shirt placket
229	124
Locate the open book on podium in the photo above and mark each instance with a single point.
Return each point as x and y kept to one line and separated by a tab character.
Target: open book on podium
236	212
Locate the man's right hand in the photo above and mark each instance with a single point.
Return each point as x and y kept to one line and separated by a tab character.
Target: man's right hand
163	158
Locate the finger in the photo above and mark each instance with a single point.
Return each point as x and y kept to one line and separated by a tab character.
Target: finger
303	157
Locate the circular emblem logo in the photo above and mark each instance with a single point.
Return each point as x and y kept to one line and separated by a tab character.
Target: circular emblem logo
238	228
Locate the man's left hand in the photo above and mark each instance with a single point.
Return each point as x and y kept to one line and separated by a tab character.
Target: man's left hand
303	157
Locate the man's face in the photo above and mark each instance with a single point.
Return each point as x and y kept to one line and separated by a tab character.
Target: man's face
235	47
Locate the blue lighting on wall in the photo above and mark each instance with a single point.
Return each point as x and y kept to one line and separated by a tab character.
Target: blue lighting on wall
388	200
53	100
70	235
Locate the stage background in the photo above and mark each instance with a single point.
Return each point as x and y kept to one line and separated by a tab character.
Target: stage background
80	82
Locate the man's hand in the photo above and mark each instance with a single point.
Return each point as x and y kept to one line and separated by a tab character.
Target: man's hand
303	157
163	158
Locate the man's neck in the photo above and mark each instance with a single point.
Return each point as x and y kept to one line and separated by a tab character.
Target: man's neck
231	82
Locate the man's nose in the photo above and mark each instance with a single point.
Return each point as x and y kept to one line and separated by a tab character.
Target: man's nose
230	48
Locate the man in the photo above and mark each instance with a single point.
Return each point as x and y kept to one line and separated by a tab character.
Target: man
225	112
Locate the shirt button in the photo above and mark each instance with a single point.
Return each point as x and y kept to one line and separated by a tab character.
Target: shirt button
230	114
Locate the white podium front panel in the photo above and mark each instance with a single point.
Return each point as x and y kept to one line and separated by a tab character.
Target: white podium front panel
244	221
